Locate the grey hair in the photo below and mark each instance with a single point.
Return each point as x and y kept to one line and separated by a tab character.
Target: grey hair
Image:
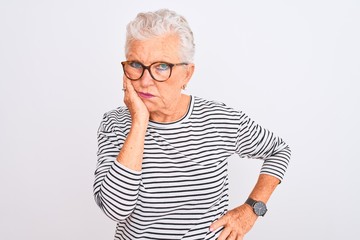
148	25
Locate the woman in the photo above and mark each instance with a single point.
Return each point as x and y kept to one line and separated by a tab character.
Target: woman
162	159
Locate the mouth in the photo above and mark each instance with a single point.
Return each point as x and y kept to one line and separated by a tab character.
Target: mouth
145	95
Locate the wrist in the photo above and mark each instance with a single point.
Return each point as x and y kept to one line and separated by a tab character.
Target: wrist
139	123
258	207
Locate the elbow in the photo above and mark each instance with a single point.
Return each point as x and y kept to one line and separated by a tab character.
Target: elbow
283	151
117	210
287	153
277	164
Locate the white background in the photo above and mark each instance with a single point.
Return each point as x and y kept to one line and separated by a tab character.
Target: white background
293	66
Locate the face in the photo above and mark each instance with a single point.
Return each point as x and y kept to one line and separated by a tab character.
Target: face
160	97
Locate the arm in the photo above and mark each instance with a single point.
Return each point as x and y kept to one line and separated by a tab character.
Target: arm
239	221
116	186
131	155
118	172
264	187
253	141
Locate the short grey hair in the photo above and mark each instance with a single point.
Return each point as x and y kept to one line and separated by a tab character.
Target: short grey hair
148	25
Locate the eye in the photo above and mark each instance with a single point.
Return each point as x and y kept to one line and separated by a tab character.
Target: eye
162	66
135	64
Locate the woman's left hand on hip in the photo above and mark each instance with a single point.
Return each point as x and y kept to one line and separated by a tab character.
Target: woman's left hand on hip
236	222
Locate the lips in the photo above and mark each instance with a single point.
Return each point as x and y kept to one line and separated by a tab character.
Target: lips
145	95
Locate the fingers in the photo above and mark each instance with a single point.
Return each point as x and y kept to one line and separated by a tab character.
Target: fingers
129	91
130	96
134	103
225	234
124	84
219	223
127	85
233	226
230	234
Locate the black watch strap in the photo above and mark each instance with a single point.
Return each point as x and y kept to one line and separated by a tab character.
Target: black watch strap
251	202
258	207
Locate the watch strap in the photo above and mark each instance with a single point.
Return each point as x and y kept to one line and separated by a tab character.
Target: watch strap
258	207
251	202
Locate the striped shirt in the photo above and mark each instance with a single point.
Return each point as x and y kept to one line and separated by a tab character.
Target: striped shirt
183	185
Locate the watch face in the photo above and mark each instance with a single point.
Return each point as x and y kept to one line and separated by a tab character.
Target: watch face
260	208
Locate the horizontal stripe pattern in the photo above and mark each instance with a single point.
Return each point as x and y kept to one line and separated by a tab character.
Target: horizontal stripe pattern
183	185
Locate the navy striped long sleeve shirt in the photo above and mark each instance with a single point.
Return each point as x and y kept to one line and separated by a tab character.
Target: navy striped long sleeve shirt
183	185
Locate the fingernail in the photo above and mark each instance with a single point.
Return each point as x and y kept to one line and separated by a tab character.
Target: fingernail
211	229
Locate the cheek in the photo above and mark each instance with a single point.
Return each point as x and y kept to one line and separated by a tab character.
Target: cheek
176	82
138	86
171	91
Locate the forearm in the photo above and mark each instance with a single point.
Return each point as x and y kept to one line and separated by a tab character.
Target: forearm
256	142
264	187
116	185
238	221
116	192
131	154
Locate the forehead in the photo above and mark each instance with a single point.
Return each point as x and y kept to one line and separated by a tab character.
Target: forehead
163	48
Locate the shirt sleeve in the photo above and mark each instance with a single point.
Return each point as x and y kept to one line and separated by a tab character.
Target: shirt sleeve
253	141
116	187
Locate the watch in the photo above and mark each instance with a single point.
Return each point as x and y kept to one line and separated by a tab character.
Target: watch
258	206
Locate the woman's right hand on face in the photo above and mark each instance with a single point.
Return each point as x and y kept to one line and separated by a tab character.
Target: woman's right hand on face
137	108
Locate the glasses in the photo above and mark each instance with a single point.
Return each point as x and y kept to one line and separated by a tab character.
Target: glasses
159	71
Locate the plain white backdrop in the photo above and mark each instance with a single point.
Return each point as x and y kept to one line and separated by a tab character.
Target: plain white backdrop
293	66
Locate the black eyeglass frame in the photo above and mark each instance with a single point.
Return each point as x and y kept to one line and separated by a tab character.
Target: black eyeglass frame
144	67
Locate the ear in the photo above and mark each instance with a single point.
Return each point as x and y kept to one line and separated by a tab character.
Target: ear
190	68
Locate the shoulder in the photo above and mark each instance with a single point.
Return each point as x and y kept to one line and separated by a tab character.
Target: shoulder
212	106
116	118
215	112
118	113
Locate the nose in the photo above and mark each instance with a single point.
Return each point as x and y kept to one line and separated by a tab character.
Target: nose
146	79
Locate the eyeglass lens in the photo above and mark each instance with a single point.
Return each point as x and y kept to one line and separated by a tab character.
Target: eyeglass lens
159	71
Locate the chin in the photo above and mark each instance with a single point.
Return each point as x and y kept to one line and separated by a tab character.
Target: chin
152	107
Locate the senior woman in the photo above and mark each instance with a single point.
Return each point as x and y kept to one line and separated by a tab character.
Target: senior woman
162	158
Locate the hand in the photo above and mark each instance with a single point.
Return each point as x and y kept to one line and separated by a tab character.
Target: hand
236	223
136	106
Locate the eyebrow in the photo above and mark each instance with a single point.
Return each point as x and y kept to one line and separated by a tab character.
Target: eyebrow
165	58
162	61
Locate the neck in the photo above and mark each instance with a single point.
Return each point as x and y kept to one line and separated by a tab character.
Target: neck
172	113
